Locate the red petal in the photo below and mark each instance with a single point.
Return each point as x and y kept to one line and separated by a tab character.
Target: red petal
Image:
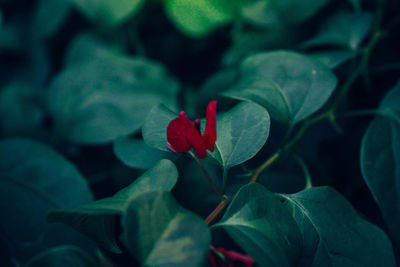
183	136
210	133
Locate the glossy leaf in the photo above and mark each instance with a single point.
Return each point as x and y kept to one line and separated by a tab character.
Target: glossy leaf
241	133
154	130
262	227
136	154
108	13
344	29
334	234
109	99
34	179
201	17
63	256
159	232
380	160
98	219
289	85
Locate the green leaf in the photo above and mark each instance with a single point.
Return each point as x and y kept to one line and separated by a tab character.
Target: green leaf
345	29
295	11
261	225
62	256
289	85
96	101
199	18
98	219
35	179
334	234
108	13
159	232
21	110
241	133
49	16
380	160
136	154
333	58
154	130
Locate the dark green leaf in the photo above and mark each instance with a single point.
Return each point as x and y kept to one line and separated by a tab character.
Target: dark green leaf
21	110
98	100
98	219
380	160
334	234
63	256
241	133
155	127
295	11
261	225
343	29
289	85
199	18
49	15
34	179
136	154
159	232
108	13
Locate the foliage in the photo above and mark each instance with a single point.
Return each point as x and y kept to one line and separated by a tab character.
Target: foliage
305	170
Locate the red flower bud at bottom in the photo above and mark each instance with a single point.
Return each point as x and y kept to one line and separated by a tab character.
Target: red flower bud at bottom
220	257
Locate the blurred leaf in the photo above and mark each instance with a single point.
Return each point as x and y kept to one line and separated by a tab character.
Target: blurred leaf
21	110
295	11
241	133
262	227
345	29
108	13
107	96
99	218
333	58
380	160
35	179
261	13
62	256
334	234
136	154
159	232
199	18
155	127
49	15
289	85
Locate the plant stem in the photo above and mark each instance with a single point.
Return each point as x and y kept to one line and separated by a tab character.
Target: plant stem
217	210
207	176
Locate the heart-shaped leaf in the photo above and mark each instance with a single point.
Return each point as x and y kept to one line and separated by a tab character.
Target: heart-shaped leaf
241	133
159	232
334	234
289	85
380	160
35	179
261	225
106	96
98	219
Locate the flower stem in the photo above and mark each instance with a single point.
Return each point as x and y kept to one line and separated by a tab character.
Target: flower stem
207	176
217	210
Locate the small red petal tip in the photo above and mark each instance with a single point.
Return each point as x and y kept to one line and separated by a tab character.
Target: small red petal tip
182	113
197	121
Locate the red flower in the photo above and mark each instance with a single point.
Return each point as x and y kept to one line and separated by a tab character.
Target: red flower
220	257
183	135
